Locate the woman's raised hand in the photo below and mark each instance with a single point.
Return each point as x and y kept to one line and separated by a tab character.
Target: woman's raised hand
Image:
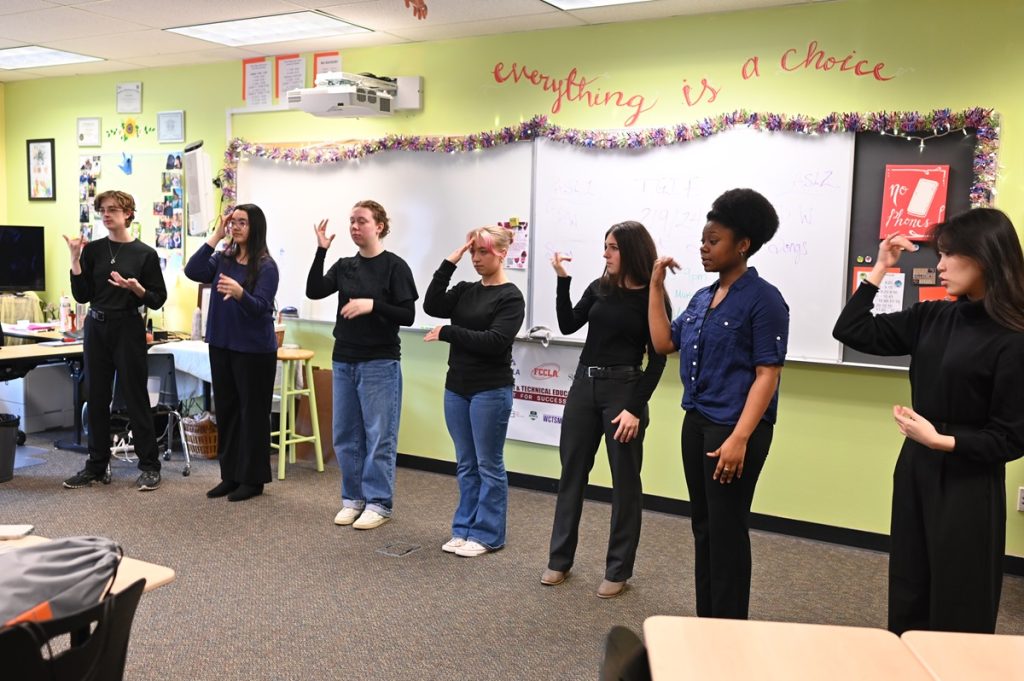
892	247
322	240
666	262
556	261
457	254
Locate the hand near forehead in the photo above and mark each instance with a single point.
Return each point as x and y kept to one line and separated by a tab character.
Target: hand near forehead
457	254
892	247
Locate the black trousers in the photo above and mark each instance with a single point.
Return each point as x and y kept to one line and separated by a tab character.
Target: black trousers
118	345
948	538
591	405
243	389
721	515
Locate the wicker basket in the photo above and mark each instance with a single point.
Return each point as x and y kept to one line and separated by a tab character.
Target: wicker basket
201	435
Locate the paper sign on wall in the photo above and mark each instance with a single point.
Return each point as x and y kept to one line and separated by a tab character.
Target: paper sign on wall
542	378
890	294
257	86
291	74
913	200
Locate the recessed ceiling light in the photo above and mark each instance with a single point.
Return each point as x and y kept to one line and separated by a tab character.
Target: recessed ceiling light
587	4
33	56
272	29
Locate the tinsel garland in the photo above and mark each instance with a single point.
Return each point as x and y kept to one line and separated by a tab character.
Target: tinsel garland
910	125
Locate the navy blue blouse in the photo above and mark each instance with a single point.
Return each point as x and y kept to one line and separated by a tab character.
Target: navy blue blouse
719	349
245	325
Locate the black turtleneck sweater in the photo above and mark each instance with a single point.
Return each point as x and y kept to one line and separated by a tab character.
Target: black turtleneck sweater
966	370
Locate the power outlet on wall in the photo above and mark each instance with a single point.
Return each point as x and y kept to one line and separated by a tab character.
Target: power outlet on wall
1020	499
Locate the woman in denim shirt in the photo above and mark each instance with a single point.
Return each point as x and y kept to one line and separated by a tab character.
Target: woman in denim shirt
732	343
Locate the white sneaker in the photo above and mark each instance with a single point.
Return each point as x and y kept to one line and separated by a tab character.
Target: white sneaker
470	549
369	520
452	544
347	516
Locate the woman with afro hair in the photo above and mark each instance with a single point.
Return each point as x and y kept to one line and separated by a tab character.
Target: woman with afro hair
731	339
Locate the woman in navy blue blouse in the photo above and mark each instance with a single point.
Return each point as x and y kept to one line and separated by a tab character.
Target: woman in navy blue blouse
732	343
243	347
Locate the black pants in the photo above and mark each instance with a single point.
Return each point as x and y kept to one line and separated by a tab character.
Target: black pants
591	405
948	538
721	515
118	345
243	389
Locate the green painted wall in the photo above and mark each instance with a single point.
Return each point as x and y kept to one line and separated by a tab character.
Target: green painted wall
835	443
3	155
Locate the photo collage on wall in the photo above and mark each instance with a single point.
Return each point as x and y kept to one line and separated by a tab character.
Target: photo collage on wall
170	213
88	174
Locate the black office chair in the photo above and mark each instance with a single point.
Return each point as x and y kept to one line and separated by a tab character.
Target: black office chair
625	657
98	642
165	407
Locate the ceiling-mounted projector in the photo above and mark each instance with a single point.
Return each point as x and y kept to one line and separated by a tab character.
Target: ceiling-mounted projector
352	95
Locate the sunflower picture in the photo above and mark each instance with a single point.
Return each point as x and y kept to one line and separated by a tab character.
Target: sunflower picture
130	128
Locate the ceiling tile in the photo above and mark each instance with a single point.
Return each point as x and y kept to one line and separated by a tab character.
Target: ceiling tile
344	42
134	44
16	6
86	68
60	23
186	58
389	15
19	74
656	9
534	22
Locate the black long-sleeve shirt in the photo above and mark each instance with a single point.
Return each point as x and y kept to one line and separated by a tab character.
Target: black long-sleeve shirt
384	278
617	335
133	260
966	370
485	320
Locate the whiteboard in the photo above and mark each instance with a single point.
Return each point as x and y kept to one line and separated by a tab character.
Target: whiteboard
433	200
580	192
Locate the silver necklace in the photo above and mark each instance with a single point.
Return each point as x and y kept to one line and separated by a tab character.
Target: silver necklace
113	256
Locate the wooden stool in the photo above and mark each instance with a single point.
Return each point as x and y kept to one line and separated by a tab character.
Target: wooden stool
286	436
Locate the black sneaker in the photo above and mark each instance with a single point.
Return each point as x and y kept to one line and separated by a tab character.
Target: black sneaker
148	480
83	478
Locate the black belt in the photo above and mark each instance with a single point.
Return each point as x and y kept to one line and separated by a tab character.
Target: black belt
620	371
111	315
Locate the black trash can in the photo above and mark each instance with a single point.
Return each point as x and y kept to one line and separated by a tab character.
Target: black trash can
8	443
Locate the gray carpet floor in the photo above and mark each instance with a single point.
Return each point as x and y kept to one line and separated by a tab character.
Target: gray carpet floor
272	589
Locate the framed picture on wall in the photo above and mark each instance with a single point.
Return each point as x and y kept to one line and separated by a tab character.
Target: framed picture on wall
89	132
170	127
42	179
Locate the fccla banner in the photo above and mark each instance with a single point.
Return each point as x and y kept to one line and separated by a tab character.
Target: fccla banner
542	380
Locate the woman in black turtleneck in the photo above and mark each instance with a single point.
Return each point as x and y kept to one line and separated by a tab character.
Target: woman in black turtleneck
608	399
967	385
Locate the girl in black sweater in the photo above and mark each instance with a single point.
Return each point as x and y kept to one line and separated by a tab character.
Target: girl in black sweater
486	315
608	398
967	386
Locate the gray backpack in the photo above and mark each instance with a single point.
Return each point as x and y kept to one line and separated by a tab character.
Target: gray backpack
57	578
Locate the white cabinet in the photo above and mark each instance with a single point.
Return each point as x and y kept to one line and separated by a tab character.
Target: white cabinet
43	399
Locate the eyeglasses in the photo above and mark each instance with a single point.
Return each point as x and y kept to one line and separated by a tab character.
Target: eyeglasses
237	223
111	210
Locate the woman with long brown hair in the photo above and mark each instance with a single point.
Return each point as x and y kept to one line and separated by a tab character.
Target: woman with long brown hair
608	399
948	531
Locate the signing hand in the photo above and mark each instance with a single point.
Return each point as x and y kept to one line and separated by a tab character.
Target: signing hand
75	246
229	288
556	261
663	263
919	429
629	426
322	240
132	284
730	460
433	335
892	247
457	254
357	307
419	8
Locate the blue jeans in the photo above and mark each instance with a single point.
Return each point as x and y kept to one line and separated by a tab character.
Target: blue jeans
367	406
477	424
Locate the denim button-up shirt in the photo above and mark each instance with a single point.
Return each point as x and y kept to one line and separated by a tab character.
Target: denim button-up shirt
719	349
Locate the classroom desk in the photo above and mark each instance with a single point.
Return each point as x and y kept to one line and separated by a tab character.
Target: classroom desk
712	649
128	572
18	360
952	656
